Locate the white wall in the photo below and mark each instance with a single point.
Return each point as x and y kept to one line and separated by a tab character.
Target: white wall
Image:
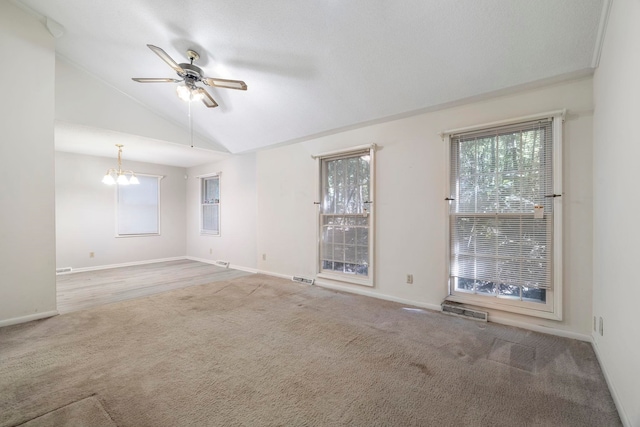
237	240
286	213
86	214
27	239
616	181
411	213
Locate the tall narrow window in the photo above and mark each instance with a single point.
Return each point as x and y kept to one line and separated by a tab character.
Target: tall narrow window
138	209
504	214
210	205
345	218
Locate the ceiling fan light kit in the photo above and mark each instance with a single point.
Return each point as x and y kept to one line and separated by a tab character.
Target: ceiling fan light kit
191	74
189	93
119	176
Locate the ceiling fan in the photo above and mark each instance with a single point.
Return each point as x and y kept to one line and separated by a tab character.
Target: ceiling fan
191	74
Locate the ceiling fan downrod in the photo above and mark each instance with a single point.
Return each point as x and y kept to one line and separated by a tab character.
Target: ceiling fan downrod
192	55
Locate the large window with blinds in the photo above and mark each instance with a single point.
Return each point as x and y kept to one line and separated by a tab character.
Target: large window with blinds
504	215
345	216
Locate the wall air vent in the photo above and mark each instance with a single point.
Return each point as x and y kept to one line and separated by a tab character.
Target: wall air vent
224	264
457	309
304	280
64	270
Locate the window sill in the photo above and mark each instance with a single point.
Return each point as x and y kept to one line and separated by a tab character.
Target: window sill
204	233
124	236
347	279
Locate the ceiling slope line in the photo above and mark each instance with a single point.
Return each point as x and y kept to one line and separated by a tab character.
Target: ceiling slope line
163	152
55	28
134	135
602	30
40	17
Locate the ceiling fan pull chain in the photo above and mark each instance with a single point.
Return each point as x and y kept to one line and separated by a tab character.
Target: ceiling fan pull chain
190	126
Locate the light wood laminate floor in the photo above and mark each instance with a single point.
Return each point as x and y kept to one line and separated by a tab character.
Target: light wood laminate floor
78	291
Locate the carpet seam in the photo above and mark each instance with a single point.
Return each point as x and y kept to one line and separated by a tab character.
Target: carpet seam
56	409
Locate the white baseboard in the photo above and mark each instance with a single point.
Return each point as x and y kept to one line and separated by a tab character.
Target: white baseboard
213	262
125	264
268	273
29	318
368	293
539	328
243	268
247	269
612	389
207	261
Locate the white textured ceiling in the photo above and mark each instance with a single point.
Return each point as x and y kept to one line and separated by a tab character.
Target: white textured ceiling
316	66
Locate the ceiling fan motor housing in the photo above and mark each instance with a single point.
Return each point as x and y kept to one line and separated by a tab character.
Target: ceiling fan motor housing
191	71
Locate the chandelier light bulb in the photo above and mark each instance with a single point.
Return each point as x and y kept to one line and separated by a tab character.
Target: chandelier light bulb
134	180
122	180
108	179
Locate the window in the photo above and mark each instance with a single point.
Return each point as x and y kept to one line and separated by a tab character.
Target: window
138	207
210	205
504	218
346	216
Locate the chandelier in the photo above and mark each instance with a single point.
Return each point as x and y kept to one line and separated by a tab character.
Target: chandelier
119	176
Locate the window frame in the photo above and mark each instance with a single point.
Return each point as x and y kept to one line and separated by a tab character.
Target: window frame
369	280
117	210
552	308
201	204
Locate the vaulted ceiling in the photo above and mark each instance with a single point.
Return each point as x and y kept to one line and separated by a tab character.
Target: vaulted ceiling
315	67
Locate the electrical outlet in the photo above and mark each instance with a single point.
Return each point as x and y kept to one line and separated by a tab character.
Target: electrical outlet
210	251
92	254
409	278
264	257
595	328
601	327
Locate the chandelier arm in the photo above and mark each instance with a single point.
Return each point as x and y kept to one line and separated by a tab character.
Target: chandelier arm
119	156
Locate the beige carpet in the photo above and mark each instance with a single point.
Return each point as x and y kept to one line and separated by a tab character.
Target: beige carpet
262	351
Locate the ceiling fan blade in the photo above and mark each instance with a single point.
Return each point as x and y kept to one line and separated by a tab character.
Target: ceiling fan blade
207	99
227	84
155	80
166	58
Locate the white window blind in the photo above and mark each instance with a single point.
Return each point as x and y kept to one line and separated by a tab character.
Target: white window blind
498	178
210	205
139	207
